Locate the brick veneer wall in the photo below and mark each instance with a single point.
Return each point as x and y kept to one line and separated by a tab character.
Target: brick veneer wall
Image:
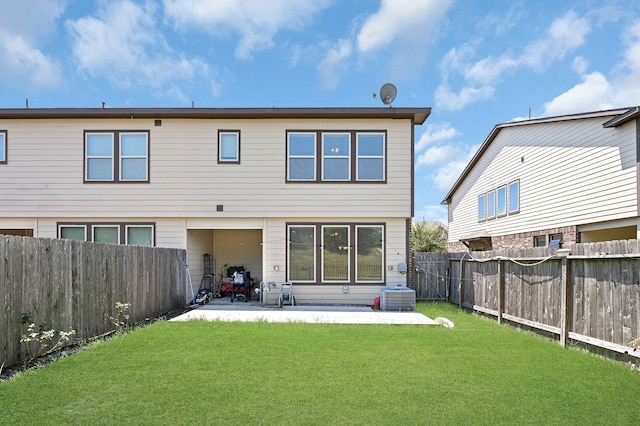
522	240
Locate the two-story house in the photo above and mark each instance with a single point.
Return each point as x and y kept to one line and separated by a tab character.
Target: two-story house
320	197
571	178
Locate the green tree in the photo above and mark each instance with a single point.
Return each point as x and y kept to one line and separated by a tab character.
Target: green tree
429	237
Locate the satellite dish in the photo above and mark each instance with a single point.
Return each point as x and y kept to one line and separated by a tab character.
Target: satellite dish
388	93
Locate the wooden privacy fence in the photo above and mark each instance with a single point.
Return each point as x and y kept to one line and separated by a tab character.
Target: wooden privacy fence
591	296
76	285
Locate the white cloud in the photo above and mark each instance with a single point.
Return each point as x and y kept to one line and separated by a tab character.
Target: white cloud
564	35
447	99
404	19
123	45
580	65
489	69
333	63
435	133
23	28
445	176
596	91
437	155
591	94
256	21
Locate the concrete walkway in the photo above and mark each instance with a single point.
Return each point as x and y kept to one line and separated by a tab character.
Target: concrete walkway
240	311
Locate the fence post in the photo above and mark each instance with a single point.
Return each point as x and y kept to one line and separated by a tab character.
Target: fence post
461	295
565	304
500	289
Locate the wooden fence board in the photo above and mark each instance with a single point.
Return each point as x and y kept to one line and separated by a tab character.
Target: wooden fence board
603	292
75	285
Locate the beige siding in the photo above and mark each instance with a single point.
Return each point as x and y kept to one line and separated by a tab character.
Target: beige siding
44	175
42	184
571	173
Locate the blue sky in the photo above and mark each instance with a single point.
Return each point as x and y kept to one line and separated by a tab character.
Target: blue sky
476	63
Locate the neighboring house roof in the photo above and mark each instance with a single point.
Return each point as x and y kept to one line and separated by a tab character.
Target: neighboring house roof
622	115
417	114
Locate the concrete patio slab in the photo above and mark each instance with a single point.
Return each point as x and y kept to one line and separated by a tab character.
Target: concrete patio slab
303	313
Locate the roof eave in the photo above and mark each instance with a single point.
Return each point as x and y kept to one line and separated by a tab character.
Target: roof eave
418	115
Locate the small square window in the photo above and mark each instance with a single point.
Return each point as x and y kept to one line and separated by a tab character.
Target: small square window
540	241
229	146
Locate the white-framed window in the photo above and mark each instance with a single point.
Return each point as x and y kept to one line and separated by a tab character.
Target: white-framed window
370	152
99	155
301	156
116	156
105	232
73	232
346	253
491	204
229	146
501	201
302	253
139	235
342	156
369	249
3	147
336	154
482	207
133	157
514	196
335	253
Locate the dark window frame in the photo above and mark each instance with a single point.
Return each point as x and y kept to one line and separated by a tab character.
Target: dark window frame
353	156
117	157
223	132
352	233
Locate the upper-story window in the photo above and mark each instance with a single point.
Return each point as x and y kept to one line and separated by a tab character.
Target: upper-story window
336	156
116	156
301	154
503	201
482	207
370	153
3	146
514	196
491	204
229	146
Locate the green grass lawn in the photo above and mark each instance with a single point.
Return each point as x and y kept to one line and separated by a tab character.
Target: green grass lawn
219	373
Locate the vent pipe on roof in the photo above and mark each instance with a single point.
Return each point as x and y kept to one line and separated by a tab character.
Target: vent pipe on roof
26	103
